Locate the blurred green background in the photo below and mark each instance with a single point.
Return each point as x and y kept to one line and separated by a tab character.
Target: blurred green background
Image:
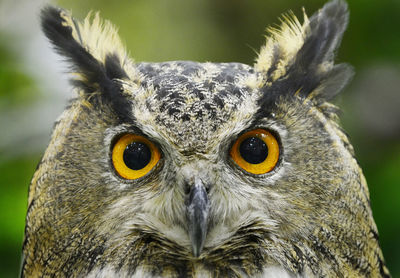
33	90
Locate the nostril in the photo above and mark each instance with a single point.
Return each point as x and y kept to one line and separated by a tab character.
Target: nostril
207	186
186	188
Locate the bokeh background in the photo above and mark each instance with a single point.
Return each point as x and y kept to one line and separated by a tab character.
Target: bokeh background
34	88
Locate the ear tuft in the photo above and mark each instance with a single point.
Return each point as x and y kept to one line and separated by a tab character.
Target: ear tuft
95	53
88	46
300	58
282	45
63	32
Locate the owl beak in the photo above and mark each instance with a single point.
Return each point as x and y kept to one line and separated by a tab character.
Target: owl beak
197	209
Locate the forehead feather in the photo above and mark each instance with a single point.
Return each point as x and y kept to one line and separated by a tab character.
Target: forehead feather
190	102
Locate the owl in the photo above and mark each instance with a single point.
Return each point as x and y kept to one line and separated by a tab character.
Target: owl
187	169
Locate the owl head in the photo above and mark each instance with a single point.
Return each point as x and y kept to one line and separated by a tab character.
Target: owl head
184	169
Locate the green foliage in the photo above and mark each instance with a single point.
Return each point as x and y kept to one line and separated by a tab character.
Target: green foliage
16	87
382	174
14	180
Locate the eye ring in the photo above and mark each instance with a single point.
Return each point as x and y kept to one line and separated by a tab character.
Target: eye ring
142	158
261	151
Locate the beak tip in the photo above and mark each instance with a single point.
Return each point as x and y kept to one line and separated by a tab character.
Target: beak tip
198	237
196	251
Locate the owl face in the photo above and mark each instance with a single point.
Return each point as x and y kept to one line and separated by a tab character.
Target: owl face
185	169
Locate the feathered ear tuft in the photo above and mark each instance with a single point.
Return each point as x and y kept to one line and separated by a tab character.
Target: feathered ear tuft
94	51
300	58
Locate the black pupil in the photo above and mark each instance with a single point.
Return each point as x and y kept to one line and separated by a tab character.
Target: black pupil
137	155
253	150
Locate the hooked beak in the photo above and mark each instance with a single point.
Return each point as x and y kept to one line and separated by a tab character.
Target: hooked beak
197	209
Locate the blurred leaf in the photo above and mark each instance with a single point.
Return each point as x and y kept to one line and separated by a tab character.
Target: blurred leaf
384	183
16	87
15	176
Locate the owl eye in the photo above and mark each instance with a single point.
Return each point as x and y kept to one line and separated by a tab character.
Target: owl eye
256	151
133	156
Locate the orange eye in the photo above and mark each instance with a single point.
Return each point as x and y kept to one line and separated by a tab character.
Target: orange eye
256	151
133	156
